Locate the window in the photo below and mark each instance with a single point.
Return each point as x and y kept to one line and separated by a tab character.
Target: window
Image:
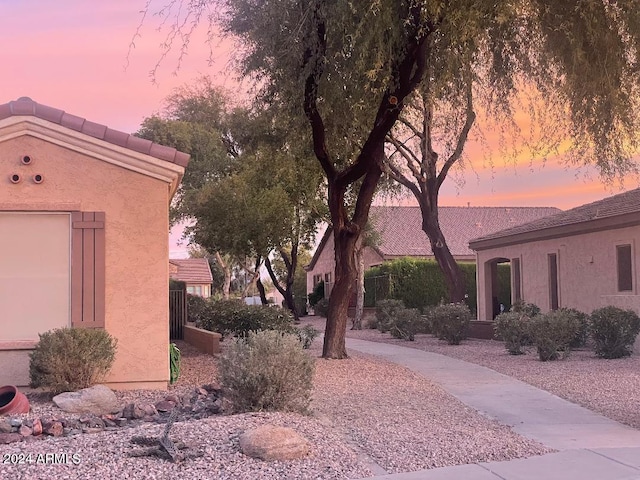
625	269
327	277
317	279
553	281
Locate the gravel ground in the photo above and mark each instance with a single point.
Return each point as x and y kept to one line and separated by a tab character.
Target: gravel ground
368	415
610	387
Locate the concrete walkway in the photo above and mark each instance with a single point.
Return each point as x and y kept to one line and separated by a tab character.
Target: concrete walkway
591	447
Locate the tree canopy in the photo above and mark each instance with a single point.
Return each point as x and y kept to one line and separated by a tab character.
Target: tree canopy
350	68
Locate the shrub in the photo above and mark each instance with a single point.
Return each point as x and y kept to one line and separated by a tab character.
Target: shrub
174	363
386	311
322	308
529	309
267	371
235	317
582	333
553	332
197	309
513	329
317	294
451	322
306	335
614	331
406	324
68	359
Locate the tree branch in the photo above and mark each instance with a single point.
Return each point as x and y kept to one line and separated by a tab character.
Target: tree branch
316	56
272	275
399	177
411	158
462	138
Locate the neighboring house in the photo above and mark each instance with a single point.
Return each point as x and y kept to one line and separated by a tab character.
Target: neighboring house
399	234
195	273
583	258
84	216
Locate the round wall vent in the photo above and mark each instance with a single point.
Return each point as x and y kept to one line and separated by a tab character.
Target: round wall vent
26	160
38	178
15	178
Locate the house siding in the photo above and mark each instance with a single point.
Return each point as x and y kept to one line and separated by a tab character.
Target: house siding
587	271
136	247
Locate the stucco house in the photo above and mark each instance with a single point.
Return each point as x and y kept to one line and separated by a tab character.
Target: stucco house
399	234
583	258
84	239
194	272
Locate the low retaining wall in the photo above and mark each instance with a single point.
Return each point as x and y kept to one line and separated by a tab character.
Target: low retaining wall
481	329
203	340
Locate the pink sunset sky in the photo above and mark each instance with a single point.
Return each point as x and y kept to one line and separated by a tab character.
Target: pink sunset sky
72	54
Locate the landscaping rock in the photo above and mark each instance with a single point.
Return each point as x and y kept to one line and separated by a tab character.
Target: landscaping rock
10	438
133	411
97	399
36	427
5	426
25	431
270	442
54	429
165	406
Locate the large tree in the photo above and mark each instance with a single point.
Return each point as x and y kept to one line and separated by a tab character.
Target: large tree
351	66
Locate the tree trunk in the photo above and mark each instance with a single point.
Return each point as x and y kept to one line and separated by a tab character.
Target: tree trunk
226	286
261	291
452	274
287	291
357	319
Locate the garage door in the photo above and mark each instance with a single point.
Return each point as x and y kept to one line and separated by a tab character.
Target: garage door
34	274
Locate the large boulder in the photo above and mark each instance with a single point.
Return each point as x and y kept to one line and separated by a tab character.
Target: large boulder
97	399
270	442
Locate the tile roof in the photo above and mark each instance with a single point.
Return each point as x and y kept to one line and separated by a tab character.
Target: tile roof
608	208
192	270
400	228
26	106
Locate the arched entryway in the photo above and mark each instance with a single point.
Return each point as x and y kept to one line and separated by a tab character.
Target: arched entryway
498	284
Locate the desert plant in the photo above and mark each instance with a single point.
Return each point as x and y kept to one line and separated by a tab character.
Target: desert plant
386	311
582	333
306	335
513	329
614	331
451	322
553	332
406	324
68	359
529	309
321	308
234	317
174	363
267	370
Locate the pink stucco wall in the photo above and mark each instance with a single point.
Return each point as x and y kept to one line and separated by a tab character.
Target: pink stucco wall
587	271
136	230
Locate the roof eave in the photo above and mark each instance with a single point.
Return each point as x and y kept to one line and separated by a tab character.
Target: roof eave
579	228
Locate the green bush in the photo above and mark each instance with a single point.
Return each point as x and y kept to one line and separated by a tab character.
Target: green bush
317	294
614	331
386	311
197	309
306	335
529	309
267	371
68	359
582	334
177	284
407	323
513	329
451	322
419	283
553	332
321	308
235	317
